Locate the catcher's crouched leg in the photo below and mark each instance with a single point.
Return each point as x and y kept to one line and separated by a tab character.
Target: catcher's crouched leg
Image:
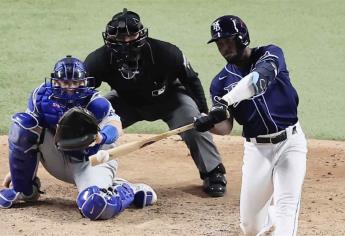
101	204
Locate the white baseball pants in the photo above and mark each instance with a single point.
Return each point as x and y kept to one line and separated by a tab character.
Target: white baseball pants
273	174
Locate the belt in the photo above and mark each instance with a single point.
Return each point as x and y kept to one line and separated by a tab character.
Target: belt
275	139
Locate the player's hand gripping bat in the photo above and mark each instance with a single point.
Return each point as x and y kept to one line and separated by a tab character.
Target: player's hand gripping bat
103	156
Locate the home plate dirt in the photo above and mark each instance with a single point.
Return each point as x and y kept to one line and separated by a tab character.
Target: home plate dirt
182	207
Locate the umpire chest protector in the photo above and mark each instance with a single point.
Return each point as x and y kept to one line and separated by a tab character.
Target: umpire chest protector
158	73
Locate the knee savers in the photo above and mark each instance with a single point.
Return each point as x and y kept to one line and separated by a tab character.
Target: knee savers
101	204
23	142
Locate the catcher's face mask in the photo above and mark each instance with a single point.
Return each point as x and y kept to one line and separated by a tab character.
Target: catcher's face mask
69	82
125	36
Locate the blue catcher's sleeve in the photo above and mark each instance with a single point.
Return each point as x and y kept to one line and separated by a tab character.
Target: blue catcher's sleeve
23	139
110	134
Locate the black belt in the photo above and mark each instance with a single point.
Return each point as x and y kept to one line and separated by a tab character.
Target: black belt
276	139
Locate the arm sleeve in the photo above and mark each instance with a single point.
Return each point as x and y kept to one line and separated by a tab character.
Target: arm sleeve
256	83
268	66
189	78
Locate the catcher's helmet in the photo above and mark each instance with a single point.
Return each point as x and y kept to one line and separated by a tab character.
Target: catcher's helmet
69	81
227	26
125	35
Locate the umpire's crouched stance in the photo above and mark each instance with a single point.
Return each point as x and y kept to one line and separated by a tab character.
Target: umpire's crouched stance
152	80
52	112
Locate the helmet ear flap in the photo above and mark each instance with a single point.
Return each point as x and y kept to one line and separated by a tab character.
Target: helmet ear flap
239	41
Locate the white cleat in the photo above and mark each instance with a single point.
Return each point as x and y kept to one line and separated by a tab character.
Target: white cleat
144	195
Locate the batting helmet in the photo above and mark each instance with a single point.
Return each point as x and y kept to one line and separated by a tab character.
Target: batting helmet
227	26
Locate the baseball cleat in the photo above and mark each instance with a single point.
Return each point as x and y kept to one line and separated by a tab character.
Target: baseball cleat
144	195
215	182
215	186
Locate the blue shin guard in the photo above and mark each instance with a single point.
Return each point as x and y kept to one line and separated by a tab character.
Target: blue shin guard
101	204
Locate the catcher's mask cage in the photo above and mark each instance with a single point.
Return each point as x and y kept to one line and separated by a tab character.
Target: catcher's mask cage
228	26
125	35
69	81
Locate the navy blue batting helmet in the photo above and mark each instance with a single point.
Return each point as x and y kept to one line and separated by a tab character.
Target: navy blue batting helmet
227	26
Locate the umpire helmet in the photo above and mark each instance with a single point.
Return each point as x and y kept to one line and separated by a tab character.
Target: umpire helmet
227	26
125	23
125	53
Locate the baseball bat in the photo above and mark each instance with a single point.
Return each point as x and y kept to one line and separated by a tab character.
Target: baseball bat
102	156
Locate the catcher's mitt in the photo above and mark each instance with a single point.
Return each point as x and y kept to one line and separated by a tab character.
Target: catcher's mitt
76	130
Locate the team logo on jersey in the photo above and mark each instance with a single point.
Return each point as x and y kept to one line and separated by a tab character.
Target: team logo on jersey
216	26
230	87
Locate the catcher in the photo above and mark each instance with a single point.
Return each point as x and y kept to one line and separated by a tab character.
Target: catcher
66	121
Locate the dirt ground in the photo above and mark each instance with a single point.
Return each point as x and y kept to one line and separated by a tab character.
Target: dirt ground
182	207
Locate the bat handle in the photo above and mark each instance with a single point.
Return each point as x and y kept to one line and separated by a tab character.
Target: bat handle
93	160
100	157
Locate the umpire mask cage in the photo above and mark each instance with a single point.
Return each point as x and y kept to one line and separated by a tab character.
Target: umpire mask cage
125	35
69	81
228	26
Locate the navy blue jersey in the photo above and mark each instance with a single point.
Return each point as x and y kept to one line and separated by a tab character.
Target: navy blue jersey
266	113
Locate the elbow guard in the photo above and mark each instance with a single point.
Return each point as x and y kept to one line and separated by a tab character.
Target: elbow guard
259	83
262	76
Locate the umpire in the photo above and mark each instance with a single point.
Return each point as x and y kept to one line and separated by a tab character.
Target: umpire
152	80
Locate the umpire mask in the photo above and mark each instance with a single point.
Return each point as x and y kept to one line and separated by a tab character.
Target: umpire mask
125	36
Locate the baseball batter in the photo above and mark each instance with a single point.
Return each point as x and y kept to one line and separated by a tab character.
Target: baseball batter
254	88
31	139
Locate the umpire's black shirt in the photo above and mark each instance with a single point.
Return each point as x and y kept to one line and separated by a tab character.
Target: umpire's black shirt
164	71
